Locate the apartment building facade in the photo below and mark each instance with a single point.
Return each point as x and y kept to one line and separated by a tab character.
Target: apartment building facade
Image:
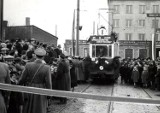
83	48
130	21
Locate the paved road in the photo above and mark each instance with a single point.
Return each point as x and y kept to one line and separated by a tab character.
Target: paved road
95	106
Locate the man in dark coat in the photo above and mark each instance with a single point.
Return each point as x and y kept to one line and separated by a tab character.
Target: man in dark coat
4	78
63	77
36	74
73	75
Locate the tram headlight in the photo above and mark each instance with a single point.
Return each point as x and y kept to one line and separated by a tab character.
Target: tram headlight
101	67
93	59
106	62
96	61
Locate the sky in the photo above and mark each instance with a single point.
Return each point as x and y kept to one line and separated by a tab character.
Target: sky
46	14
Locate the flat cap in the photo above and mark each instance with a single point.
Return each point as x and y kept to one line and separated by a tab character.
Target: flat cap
33	39
40	52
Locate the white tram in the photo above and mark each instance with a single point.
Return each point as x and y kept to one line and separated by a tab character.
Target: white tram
104	52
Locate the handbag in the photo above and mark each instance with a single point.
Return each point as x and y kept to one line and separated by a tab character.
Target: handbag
26	95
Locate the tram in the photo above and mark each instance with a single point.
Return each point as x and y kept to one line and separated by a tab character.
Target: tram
104	53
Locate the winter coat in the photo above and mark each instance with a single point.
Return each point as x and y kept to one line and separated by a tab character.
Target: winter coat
73	76
4	78
36	103
135	75
63	76
152	70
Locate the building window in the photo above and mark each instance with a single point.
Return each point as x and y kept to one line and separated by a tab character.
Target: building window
115	23
155	23
128	36
128	23
85	52
141	23
155	8
70	51
117	36
141	36
129	9
143	53
142	9
128	53
116	9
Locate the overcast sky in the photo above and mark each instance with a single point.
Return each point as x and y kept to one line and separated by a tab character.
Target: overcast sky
46	14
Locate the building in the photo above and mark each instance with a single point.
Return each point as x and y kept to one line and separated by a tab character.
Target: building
28	32
83	47
130	21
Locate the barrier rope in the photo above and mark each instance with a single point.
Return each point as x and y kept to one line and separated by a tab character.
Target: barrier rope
58	93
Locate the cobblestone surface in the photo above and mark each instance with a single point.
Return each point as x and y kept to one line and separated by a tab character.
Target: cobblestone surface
95	106
91	106
130	91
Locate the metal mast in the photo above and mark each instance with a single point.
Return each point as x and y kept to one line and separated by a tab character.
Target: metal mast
73	35
77	28
1	20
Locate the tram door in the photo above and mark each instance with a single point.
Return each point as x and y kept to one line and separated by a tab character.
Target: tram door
157	52
128	53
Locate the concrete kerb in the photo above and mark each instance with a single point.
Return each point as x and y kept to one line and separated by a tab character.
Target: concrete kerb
58	93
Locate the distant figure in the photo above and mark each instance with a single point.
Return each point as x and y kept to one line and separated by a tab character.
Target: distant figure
73	75
4	78
36	74
145	75
63	77
135	75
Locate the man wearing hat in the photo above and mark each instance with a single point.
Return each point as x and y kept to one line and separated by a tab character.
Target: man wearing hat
63	77
36	74
4	78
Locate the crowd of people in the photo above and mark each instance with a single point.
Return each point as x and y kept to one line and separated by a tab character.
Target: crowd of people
35	64
141	72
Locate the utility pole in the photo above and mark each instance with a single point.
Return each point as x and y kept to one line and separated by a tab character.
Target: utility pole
77	28
1	20
56	30
154	35
154	48
94	28
73	35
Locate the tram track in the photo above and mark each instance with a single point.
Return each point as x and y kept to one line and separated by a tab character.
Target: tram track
110	105
72	100
95	89
150	97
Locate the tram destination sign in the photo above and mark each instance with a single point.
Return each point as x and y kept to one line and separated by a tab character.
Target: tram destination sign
153	14
100	39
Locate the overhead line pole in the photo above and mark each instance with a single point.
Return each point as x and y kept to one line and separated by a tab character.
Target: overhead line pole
73	35
154	48
155	15
1	20
77	28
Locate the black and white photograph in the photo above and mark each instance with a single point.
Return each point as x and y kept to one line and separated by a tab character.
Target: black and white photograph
79	56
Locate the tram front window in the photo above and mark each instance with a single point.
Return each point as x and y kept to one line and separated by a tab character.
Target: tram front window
101	51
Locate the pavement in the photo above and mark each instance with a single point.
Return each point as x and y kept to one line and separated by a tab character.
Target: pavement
153	93
129	91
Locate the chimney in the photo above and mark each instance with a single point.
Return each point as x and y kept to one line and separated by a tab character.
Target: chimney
27	21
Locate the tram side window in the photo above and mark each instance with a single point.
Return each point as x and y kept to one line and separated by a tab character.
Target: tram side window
93	51
110	50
